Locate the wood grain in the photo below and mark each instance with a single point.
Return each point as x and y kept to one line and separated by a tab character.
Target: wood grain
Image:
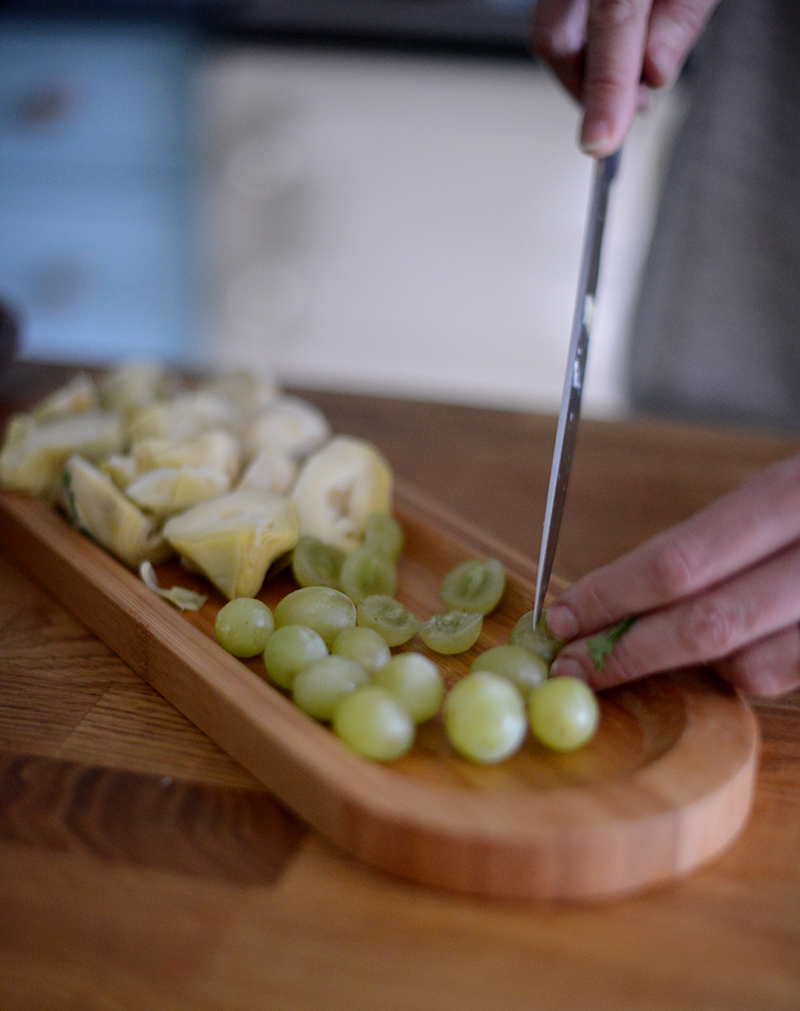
241	836
666	784
85	933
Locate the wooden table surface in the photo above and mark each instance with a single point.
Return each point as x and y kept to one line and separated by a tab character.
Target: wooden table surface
142	868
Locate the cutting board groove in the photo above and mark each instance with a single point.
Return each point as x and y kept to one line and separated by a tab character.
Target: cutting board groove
666	784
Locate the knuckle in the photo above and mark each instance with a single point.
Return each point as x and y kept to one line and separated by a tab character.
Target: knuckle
674	569
595	605
612	15
714	626
767	668
690	15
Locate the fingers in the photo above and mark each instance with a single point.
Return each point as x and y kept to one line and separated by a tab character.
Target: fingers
718	626
616	34
558	36
675	26
751	523
605	52
766	668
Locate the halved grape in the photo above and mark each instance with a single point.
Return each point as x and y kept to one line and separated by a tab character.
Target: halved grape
318	688
415	682
384	534
373	723
520	666
322	608
484	717
563	713
366	572
388	618
315	563
474	585
364	645
291	649
453	632
243	626
539	640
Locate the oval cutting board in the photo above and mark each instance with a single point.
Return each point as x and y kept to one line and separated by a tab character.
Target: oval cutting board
666	783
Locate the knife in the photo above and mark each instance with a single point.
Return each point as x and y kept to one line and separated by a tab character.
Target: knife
605	169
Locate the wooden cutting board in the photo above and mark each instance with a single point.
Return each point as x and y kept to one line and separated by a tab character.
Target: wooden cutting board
666	783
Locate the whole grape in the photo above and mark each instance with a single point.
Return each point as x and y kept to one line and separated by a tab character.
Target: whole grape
484	717
243	626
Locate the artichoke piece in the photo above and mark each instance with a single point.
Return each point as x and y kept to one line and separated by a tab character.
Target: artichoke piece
121	468
170	490
185	600
234	539
292	426
77	397
338	487
18	427
183	417
131	386
217	449
248	391
270	470
95	505
34	456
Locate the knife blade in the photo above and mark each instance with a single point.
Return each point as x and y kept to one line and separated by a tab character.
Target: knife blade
605	169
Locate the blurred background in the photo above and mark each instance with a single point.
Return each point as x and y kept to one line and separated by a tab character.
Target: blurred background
379	196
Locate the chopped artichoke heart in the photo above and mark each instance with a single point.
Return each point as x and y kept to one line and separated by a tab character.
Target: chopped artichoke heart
131	386
19	425
217	449
338	487
248	391
292	426
77	397
270	470
180	596
100	509
183	417
34	461
173	489
121	468
234	539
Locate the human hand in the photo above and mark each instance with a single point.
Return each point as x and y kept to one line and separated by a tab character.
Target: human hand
608	53
722	588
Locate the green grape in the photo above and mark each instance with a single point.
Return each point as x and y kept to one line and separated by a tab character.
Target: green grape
373	723
415	682
315	563
364	645
563	713
289	650
539	641
388	618
384	534
322	608
484	717
524	668
366	572
453	632
474	585
318	688
243	626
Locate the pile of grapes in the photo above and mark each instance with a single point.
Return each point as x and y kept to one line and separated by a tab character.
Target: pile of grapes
330	650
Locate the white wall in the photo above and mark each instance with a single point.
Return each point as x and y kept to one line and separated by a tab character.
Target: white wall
412	225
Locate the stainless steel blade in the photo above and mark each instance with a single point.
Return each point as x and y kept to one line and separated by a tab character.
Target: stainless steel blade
604	171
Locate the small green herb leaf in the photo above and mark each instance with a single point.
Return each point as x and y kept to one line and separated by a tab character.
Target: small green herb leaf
601	645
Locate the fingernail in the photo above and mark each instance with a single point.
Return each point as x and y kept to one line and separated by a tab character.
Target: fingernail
564	667
596	137
562	622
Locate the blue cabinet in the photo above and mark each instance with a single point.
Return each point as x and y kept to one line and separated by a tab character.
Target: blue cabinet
94	189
